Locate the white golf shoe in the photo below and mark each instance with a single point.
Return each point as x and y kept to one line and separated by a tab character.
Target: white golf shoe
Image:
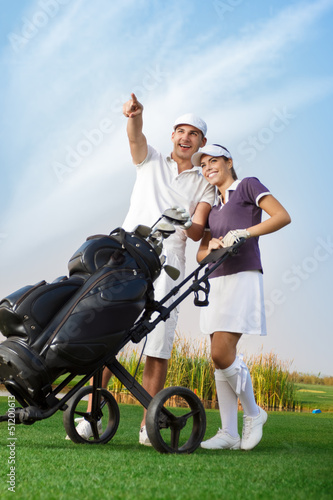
143	437
222	441
84	428
252	429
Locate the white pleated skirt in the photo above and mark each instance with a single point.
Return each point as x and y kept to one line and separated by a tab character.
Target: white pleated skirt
236	304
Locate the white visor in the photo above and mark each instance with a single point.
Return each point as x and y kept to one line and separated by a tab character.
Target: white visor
210	150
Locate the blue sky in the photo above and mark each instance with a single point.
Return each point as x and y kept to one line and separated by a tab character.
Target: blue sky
261	76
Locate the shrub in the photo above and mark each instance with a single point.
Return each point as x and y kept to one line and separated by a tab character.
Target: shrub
306	378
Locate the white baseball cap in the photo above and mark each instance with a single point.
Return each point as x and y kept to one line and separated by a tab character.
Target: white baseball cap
191	119
210	150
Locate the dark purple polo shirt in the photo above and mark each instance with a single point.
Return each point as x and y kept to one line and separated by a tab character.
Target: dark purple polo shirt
240	211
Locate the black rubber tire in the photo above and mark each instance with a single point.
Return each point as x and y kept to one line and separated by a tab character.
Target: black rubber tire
108	412
176	430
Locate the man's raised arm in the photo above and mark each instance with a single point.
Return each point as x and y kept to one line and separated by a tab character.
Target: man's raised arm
133	110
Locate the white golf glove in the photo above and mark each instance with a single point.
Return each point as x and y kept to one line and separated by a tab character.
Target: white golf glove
234	236
185	217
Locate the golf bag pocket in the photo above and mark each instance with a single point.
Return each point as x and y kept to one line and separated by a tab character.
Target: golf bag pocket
95	322
27	311
24	372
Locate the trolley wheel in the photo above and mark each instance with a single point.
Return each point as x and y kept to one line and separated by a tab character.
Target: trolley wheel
104	420
177	429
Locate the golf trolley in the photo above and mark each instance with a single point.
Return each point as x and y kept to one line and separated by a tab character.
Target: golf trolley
76	326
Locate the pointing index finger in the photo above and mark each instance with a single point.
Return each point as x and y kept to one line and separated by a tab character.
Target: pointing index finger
134	99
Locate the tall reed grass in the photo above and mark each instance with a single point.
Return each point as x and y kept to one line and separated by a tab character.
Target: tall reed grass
272	384
191	366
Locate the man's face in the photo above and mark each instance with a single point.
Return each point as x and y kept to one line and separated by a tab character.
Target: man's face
186	141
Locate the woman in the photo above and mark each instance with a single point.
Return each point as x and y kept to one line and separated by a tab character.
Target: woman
236	303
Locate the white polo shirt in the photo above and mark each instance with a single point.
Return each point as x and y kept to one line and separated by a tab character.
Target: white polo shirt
159	186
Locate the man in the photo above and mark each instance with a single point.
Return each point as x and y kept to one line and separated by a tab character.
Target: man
161	183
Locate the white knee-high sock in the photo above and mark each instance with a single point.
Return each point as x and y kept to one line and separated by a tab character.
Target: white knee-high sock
240	381
228	404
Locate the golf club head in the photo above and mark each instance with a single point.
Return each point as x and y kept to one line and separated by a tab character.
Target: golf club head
171	271
174	216
143	231
164	228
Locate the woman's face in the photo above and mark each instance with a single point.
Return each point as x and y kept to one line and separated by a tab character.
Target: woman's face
216	169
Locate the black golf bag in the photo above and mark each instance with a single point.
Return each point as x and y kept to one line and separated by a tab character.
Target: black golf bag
69	325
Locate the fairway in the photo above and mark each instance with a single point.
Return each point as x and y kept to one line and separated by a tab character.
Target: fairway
293	460
315	396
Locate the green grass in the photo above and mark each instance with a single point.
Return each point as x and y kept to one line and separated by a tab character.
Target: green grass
293	460
315	396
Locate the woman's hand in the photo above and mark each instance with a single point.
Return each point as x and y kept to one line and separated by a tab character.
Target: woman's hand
215	244
234	236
